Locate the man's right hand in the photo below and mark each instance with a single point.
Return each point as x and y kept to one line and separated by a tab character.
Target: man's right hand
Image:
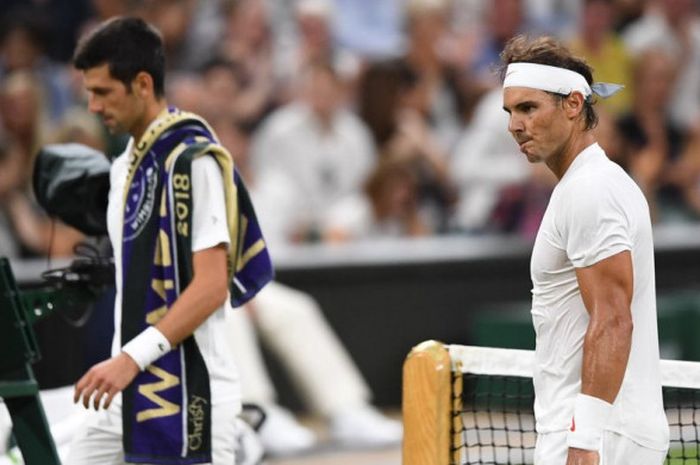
582	457
104	380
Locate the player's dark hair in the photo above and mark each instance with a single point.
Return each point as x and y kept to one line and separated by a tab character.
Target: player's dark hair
549	51
128	45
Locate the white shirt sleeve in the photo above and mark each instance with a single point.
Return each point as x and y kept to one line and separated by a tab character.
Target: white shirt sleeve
595	225
209	226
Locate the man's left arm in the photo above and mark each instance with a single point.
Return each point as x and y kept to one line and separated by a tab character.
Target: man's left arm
606	288
207	292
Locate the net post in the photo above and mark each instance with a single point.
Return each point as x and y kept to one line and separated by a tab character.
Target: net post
426	405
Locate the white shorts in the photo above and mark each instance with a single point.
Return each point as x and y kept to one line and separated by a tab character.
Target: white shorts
99	439
551	449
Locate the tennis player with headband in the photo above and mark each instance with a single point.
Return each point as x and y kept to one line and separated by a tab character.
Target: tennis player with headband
597	382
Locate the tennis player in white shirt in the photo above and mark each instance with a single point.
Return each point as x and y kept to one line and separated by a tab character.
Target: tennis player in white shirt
597	381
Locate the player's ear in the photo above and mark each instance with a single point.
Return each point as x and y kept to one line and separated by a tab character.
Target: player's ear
573	104
142	84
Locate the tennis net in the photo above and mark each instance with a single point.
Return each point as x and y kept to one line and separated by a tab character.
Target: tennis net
473	405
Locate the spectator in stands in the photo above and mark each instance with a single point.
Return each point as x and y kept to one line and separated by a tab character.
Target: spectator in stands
102	10
555	17
521	206
80	126
673	25
231	94
307	156
186	91
370	29
655	150
291	324
605	51
191	30
382	85
21	112
440	79
627	12
221	90
388	207
10	179
394	101
503	19
608	135
485	161
23	115
248	47
37	234
236	138
312	42
22	49
214	96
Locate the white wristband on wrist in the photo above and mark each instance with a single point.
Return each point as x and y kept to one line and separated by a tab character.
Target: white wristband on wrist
147	347
590	418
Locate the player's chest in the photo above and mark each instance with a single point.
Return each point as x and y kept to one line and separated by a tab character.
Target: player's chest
549	261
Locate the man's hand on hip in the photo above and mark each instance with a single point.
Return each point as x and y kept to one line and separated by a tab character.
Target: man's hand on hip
105	380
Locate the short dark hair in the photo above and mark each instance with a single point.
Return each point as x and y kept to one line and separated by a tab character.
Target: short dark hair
128	45
546	50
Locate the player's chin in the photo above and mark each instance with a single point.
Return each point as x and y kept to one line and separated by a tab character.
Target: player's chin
527	150
113	128
533	157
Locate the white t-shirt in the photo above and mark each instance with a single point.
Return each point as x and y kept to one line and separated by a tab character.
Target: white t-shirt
595	211
209	228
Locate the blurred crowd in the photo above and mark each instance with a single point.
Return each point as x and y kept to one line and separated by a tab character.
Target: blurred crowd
355	119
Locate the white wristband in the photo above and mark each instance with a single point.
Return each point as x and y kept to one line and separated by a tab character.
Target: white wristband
147	347
590	418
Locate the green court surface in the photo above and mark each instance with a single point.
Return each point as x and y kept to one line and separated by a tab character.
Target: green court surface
686	455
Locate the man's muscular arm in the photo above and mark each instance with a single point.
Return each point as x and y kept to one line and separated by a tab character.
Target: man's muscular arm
606	288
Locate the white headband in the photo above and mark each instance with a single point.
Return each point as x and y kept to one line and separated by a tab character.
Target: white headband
544	77
554	79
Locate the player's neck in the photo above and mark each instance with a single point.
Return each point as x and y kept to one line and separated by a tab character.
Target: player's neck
571	149
153	109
